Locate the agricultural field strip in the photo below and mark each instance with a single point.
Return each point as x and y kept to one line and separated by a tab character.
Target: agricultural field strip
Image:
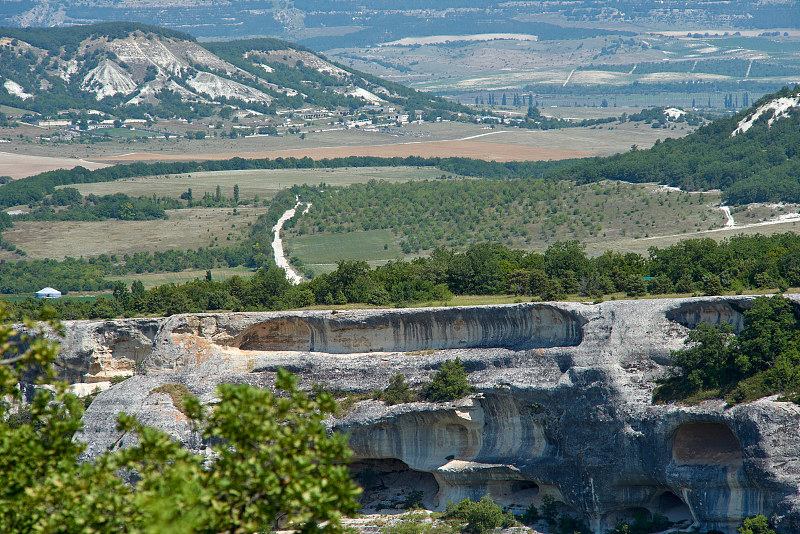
465	149
262	183
142	155
24	165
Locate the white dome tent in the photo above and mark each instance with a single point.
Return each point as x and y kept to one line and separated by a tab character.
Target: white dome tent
48	293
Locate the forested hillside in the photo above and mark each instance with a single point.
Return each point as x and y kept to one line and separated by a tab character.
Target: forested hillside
760	164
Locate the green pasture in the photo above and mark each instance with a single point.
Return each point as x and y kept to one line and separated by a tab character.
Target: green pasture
322	251
156	279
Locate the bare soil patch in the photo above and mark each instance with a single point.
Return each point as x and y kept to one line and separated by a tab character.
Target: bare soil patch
466	149
23	165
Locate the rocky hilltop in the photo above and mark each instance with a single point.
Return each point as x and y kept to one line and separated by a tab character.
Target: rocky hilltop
563	404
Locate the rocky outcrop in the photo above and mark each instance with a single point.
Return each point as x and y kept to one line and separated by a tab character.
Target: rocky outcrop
563	403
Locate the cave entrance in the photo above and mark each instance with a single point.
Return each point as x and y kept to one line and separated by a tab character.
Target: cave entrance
284	333
672	507
706	444
390	484
524	490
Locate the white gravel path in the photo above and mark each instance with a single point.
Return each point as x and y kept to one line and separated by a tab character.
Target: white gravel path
277	244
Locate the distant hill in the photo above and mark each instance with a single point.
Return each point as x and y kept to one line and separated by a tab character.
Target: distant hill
132	69
753	156
355	22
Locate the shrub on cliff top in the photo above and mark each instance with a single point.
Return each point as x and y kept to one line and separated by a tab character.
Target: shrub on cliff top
449	383
480	516
397	392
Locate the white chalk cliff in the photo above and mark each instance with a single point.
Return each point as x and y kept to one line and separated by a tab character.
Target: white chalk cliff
563	404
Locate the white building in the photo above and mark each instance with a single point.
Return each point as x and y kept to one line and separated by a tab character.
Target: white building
48	293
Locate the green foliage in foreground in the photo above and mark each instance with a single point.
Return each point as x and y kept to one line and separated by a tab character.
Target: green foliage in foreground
763	359
274	465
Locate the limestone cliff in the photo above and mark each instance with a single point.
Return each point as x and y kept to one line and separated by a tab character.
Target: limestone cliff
563	406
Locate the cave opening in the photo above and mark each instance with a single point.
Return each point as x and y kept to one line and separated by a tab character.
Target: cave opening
524	491
390	484
672	507
706	444
131	349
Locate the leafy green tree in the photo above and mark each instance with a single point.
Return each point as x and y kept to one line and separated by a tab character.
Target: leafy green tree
770	327
449	383
275	464
763	359
756	525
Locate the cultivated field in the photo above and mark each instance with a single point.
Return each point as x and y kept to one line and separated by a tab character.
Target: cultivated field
253	183
18	165
431	138
185	229
442	149
596	64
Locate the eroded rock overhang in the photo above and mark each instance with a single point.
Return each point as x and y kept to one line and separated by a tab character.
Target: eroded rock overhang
517	328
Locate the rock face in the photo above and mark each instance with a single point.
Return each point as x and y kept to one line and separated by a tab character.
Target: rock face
563	406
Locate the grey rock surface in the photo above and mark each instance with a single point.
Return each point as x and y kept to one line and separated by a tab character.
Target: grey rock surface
563	404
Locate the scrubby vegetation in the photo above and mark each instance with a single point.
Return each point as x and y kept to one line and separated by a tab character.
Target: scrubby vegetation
478	517
179	394
397	392
763	359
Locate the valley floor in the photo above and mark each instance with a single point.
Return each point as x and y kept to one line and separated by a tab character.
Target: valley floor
427	139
